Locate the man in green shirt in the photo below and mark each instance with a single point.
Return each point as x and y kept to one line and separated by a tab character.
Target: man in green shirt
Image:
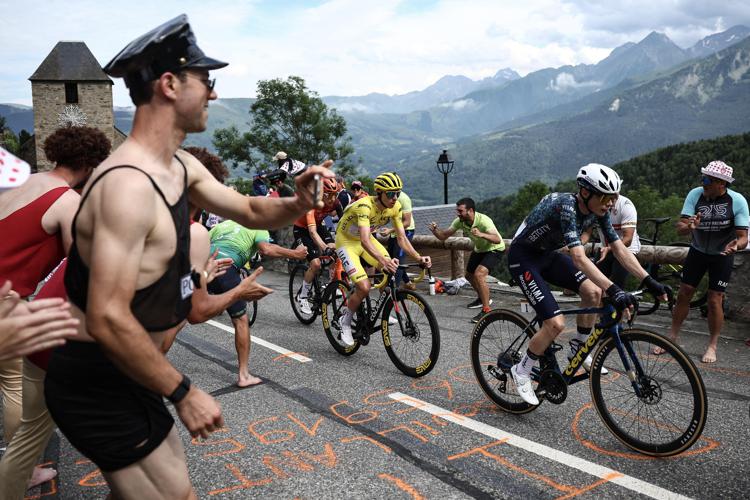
488	249
393	249
239	243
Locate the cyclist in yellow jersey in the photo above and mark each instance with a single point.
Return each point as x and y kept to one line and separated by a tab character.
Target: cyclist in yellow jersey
355	240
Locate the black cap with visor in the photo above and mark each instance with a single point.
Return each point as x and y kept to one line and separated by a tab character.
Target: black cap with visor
171	47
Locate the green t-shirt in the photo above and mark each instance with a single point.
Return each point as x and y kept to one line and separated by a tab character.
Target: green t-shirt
485	225
236	241
405	201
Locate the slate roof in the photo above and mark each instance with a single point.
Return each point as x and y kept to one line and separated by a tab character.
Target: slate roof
442	214
70	61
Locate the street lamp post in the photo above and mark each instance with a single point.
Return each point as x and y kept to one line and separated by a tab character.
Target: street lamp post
445	166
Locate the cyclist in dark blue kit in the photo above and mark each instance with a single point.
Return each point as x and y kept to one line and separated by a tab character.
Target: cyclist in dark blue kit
558	221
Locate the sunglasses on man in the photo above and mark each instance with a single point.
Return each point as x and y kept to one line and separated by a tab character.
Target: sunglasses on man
707	181
392	195
606	198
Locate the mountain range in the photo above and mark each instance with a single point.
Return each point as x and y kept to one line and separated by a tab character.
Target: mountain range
641	96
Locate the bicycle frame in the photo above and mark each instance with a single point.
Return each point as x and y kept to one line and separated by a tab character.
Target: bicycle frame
603	327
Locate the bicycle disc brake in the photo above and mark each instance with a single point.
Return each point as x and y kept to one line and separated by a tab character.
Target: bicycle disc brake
554	388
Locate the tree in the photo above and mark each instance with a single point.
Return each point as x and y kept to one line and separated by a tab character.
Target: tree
287	116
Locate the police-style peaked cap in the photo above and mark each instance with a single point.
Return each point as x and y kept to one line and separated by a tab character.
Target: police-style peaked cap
169	47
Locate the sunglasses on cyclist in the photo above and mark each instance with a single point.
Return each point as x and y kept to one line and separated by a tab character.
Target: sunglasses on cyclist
606	198
392	195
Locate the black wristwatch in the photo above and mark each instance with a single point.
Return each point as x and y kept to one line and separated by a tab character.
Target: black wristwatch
181	391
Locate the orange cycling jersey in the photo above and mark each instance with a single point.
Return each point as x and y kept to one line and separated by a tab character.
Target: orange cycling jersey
316	216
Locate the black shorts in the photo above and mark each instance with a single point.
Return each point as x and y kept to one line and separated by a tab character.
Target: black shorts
490	260
226	282
533	269
105	415
719	269
303	235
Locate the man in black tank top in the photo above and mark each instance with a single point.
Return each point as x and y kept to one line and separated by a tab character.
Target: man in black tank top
129	278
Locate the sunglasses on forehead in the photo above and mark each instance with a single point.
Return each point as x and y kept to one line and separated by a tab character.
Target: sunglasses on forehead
392	195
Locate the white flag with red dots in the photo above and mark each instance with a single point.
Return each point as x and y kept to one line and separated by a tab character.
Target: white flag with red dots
13	171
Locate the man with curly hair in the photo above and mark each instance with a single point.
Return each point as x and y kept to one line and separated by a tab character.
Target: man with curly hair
38	215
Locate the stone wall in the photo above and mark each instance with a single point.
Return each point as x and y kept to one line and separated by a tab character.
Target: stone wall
738	291
94	100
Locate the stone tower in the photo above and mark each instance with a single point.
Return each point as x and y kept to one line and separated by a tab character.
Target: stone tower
70	88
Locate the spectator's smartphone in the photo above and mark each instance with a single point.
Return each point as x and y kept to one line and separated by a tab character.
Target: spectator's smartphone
316	192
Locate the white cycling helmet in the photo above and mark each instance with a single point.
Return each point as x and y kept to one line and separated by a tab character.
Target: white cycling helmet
599	178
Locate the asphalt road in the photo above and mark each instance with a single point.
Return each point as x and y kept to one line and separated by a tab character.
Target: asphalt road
327	426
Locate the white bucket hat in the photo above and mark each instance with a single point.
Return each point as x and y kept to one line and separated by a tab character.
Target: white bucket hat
13	171
279	156
720	170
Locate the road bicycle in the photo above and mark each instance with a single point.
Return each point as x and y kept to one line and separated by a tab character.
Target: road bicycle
655	405
318	285
408	326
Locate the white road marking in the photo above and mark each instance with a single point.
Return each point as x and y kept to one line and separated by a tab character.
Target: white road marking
257	340
581	464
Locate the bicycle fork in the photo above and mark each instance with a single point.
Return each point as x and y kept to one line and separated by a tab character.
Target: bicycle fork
634	371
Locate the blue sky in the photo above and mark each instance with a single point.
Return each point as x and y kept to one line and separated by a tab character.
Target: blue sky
348	47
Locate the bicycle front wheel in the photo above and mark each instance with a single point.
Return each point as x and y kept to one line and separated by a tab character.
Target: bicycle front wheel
667	414
497	343
334	302
296	278
411	334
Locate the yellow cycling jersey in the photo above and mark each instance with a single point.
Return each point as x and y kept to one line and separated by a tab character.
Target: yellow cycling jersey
365	213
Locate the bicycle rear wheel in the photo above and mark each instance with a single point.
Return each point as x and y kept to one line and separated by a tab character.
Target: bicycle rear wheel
491	358
668	416
296	278
334	301
413	343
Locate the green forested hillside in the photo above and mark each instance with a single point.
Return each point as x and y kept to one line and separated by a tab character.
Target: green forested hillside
657	182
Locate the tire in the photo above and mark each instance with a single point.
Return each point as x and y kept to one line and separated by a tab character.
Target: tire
252	312
491	337
413	344
332	306
669	418
296	278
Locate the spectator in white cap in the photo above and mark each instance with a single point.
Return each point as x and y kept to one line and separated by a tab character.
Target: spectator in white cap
289	165
716	218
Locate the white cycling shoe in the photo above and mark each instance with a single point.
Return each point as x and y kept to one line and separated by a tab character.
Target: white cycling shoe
304	305
523	387
346	329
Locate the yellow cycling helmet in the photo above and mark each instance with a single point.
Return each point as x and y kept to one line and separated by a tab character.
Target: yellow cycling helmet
388	181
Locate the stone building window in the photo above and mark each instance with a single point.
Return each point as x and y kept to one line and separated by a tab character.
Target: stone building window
71	93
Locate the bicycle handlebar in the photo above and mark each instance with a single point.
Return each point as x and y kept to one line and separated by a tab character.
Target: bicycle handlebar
386	275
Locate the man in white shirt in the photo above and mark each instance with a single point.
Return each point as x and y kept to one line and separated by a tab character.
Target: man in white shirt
624	218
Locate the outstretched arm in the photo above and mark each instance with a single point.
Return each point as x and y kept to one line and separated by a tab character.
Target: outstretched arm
254	211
